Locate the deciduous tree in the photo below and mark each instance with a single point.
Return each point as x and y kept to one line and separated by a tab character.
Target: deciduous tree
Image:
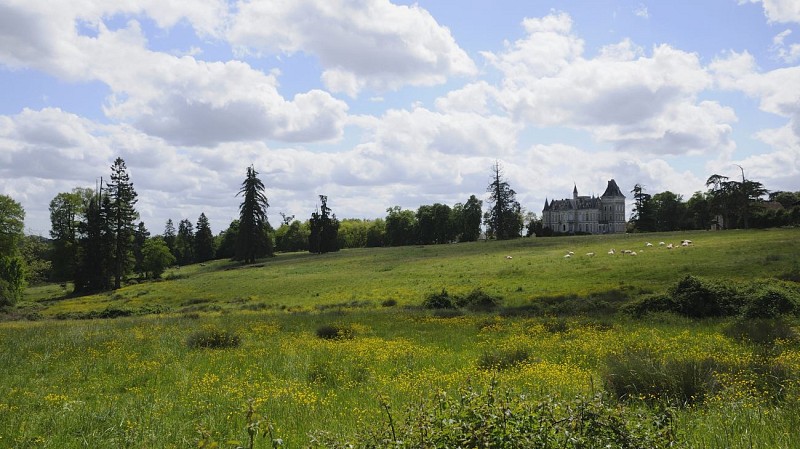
324	229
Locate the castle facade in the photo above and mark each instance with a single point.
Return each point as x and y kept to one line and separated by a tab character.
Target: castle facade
595	215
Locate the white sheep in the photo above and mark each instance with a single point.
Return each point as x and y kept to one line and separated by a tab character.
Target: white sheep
571	253
669	246
611	251
626	251
567	256
633	253
648	244
590	254
661	243
509	257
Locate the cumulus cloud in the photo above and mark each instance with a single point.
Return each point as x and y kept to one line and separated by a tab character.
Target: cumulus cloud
363	44
782	11
621	96
184	100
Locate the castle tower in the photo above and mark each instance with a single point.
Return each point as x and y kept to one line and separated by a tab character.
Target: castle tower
613	213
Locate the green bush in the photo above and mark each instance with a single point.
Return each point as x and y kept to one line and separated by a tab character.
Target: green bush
389	302
771	301
696	298
479	301
213	338
441	300
641	374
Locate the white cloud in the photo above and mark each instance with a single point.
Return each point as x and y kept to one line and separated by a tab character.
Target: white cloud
787	53
641	11
363	44
182	99
782	11
621	96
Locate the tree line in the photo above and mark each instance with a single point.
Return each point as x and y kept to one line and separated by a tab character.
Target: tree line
726	204
97	241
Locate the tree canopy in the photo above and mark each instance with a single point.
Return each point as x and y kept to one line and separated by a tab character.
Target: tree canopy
252	240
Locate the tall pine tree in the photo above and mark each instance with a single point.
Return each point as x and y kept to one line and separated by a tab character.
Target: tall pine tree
504	219
203	240
184	243
122	217
170	236
252	240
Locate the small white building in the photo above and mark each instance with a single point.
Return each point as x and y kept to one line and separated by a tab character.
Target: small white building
594	215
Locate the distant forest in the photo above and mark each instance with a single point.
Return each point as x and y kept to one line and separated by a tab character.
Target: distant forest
98	243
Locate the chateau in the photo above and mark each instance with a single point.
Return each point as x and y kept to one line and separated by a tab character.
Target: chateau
603	215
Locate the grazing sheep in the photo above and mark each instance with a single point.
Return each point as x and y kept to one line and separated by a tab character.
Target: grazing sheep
571	253
633	253
509	257
661	243
626	251
590	254
648	244
684	244
669	246
567	256
611	251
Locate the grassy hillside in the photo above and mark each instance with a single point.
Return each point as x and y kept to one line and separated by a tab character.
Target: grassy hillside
537	269
237	351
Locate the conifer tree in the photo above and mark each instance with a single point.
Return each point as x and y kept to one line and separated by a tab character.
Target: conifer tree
504	219
140	237
203	240
252	240
122	217
95	244
170	236
184	243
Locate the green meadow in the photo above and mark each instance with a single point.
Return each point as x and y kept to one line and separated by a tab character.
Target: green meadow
306	350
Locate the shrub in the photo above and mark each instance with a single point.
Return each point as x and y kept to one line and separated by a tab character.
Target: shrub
642	374
761	331
389	302
697	298
335	332
213	338
438	301
479	301
771	302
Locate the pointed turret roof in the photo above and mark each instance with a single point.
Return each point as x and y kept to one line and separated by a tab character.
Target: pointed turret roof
612	190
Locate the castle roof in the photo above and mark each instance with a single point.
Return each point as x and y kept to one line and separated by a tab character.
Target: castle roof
612	190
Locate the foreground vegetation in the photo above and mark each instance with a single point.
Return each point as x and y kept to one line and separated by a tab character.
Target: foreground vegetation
323	351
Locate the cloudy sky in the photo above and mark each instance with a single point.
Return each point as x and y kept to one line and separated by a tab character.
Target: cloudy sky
377	103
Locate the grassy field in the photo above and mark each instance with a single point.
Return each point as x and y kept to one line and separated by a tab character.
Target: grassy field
136	381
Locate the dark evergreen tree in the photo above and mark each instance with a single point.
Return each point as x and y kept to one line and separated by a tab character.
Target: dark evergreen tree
324	229
504	219
122	216
253	239
140	237
184	243
169	237
95	257
203	240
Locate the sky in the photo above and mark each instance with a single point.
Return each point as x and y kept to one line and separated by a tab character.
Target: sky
379	104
